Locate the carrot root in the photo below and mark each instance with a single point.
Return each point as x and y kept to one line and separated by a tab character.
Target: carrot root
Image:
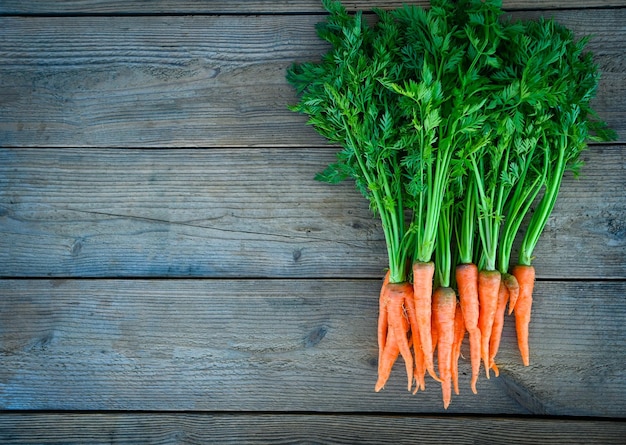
420	367
394	299
383	323
526	278
388	358
488	288
423	274
459	334
444	308
398	294
498	325
467	283
513	287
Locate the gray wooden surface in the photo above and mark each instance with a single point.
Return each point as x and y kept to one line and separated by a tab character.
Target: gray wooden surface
249	212
197	81
91	7
171	273
205	428
276	345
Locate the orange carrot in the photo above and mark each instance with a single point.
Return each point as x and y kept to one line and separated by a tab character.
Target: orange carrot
444	308
459	335
526	278
420	368
433	332
513	287
387	359
434	336
399	294
423	274
488	288
498	325
395	296
467	283
383	323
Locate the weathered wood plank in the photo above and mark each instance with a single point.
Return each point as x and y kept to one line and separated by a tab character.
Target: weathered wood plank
248	213
165	429
196	80
303	345
92	7
249	6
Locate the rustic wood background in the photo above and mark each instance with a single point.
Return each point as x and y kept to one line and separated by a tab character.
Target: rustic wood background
171	273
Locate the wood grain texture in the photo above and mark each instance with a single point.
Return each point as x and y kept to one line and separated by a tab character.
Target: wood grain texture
282	345
206	290
249	6
171	429
187	81
249	213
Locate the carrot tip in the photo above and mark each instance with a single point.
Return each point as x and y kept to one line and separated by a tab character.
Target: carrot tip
496	371
473	384
419	384
431	371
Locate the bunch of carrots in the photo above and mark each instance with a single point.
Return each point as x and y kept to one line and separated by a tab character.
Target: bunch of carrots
454	122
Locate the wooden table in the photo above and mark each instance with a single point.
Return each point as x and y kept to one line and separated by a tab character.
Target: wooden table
170	272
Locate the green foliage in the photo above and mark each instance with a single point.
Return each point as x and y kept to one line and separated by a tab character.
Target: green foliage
450	110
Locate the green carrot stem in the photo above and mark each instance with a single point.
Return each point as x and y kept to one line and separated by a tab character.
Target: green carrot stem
540	218
465	236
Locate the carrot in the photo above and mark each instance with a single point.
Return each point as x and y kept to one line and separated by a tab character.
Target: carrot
400	294
420	368
387	359
498	325
395	297
423	274
526	278
383	322
444	308
513	287
433	332
488	288
459	334
467	283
